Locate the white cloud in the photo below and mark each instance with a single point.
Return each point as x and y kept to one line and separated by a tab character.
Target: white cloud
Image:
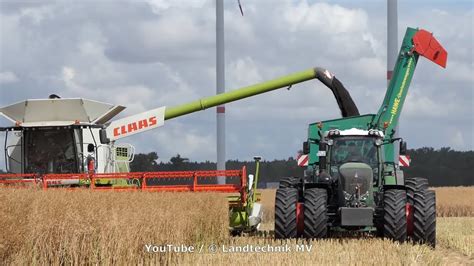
460	71
160	6
68	74
180	30
243	72
369	68
37	14
155	53
135	98
327	18
8	77
419	105
457	140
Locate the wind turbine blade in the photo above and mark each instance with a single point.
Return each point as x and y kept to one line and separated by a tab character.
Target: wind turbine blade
240	7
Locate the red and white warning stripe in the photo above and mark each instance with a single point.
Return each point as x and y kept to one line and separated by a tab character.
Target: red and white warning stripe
303	160
404	160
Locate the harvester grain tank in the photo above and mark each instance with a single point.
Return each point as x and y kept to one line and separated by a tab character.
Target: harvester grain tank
352	182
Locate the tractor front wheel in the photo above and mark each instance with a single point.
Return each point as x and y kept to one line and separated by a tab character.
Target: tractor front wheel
286	200
315	213
394	217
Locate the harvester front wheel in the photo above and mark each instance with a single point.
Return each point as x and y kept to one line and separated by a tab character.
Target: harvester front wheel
289	181
424	231
394	218
285	213
315	213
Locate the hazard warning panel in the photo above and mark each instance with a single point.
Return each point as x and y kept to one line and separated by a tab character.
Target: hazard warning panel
404	160
303	160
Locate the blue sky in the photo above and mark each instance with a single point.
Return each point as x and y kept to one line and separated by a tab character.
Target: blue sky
146	54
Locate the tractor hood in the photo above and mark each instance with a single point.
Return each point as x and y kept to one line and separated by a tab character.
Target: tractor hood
60	112
356	178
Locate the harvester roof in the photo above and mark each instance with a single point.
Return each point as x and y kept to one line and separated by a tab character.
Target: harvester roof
60	112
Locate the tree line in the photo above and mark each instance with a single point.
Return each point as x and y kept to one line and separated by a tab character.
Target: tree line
442	167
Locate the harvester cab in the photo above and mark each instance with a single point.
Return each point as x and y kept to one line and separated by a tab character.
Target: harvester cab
61	136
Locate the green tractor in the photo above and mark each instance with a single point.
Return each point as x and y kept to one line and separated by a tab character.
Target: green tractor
353	181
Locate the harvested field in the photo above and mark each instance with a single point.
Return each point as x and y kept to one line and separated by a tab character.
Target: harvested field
455	201
92	227
457	233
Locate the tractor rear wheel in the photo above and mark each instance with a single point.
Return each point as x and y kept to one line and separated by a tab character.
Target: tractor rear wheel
416	188
315	213
285	213
289	181
424	231
413	185
394	218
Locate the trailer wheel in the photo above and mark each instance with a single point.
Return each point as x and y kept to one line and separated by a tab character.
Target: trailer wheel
425	218
315	213
285	213
289	181
394	218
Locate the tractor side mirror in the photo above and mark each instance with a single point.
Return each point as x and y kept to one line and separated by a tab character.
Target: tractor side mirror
305	147
403	147
322	155
90	147
103	137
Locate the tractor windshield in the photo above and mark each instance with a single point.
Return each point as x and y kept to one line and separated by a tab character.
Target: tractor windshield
50	151
353	149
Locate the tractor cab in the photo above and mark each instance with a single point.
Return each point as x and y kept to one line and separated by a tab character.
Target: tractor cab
353	161
354	146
